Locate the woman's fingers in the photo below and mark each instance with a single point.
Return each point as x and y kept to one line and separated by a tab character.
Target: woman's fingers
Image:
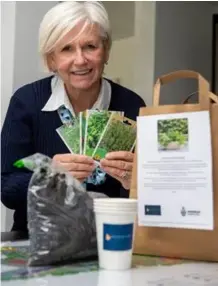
78	167
73	158
80	175
124	177
118	164
114	172
120	155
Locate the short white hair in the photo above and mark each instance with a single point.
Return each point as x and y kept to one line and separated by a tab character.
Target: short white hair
63	17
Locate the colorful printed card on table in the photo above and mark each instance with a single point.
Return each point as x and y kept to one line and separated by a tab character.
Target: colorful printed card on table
119	135
70	134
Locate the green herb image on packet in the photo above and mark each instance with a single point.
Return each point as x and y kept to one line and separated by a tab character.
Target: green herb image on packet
70	134
82	120
119	135
95	124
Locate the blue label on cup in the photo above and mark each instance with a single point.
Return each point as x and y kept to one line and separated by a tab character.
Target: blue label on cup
117	237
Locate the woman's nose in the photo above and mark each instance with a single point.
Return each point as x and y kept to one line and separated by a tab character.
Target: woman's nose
79	58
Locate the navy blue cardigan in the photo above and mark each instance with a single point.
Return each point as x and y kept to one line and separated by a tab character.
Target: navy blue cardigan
28	130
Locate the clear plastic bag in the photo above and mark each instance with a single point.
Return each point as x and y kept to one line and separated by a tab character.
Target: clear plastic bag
61	219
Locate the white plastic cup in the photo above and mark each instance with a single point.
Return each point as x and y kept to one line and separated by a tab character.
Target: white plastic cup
115	201
119	205
116	204
113	210
115	233
119	211
126	207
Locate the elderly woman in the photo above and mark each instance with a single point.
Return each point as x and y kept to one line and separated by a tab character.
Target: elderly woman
74	42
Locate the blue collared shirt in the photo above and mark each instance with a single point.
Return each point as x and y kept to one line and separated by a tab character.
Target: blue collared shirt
59	96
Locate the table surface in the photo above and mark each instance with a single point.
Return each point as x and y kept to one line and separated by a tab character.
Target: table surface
150	271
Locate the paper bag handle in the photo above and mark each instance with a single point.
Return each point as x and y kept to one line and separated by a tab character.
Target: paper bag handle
203	86
212	96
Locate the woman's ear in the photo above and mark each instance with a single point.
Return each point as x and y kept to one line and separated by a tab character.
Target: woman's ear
51	63
106	58
106	52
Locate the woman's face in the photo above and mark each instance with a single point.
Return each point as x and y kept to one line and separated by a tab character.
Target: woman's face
79	61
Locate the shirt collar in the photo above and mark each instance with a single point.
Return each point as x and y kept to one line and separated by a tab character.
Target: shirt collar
59	96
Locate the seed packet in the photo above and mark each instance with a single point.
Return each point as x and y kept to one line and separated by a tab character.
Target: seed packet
119	135
82	120
95	123
70	134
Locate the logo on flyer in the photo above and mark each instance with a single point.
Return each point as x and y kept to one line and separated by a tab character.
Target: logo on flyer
185	212
152	210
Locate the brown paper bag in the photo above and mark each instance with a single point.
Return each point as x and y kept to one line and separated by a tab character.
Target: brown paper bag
175	242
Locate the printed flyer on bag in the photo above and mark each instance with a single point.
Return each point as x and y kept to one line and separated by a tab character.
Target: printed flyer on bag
174	171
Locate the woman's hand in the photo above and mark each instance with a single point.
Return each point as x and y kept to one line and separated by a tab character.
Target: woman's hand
80	166
119	166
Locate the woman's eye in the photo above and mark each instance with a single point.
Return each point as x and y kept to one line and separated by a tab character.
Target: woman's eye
67	48
91	47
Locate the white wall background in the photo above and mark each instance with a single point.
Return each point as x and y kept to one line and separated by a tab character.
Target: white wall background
132	57
144	54
122	18
167	36
27	67
120	62
7	53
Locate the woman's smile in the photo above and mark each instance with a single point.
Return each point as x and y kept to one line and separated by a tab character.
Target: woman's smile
82	72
